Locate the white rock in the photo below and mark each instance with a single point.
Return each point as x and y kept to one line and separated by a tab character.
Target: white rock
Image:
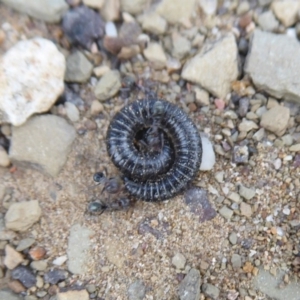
12	257
215	67
46	10
178	261
111	29
208	154
31	79
22	215
4	159
155	54
176	11
60	260
209	7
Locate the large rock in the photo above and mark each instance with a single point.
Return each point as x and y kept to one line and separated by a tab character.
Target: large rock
79	243
22	215
46	10
176	11
31	79
189	288
273	64
42	143
215	67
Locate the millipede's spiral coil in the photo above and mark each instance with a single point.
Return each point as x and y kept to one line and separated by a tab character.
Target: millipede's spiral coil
160	173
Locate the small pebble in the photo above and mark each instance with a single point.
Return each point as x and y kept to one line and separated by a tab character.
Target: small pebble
178	261
233	238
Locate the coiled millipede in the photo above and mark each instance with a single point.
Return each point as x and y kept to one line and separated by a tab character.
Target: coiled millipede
161	172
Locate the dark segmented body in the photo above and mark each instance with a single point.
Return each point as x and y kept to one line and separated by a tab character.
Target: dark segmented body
169	171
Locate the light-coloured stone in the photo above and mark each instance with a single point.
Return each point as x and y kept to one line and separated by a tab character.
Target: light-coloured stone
246	193
178	261
156	55
96	107
273	63
246	210
286	11
101	70
97	4
215	67
12	257
108	85
276	120
154	23
39	265
210	290
226	212
136	290
133	6
208	154
9	295
267	21
22	215
202	96
47	10
31	79
73	295
176	11
114	253
79	69
47	148
181	46
111	10
78	244
247	125
295	148
209	7
4	159
235	197
72	112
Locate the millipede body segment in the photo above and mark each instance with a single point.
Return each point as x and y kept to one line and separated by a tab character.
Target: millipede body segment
160	173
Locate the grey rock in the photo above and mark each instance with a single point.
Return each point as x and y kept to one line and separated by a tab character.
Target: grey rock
287	139
236	261
276	120
79	69
9	295
22	215
79	242
267	21
39	265
55	276
47	10
240	154
24	275
108	85
189	288
83	26
273	63
72	112
50	141
25	244
235	197
210	291
259	135
245	192
226	212
213	70
233	238
243	106
270	285
178	261
136	290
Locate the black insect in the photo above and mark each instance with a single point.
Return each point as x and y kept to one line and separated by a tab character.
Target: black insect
99	207
154	175
113	185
